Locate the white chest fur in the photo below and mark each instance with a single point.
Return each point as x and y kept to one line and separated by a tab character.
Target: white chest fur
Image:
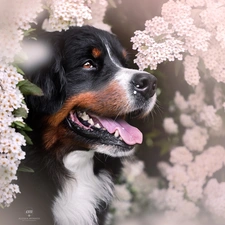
82	194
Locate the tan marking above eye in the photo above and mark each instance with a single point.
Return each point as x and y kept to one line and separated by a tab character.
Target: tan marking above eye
88	65
96	52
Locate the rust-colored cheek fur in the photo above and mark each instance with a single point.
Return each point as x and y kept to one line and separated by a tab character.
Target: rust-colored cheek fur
109	102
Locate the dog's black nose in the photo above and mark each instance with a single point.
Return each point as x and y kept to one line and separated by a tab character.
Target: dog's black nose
145	84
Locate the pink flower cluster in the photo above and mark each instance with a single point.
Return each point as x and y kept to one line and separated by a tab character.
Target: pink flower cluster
156	44
189	184
190	173
66	13
15	19
194	28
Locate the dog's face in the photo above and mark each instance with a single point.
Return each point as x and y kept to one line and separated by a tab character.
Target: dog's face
88	93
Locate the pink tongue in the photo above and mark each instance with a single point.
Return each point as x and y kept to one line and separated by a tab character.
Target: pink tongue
130	135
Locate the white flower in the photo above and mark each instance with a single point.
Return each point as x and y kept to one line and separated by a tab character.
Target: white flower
158	197
170	126
210	118
196	101
194	190
218	97
195	138
65	13
212	159
157	26
10	43
220	34
196	172
177	14
187	209
133	169
98	10
122	193
22	12
180	155
191	73
152	52
4	161
180	102
195	3
144	185
186	120
178	177
172	198
219	73
213	15
122	209
16	16
8	193
215	198
197	40
164	168
183	214
10	140
212	56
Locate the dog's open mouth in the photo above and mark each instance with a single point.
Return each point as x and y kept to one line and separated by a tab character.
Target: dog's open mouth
107	131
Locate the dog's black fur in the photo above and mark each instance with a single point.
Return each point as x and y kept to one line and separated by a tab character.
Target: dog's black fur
61	78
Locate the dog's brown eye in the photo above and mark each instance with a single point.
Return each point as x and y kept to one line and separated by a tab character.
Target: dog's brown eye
88	65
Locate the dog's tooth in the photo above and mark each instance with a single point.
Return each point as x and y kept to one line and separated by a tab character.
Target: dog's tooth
117	134
120	138
97	125
91	121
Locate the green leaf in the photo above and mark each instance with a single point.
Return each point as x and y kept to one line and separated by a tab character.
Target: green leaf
18	124
2	206
153	134
27	128
19	70
27	138
23	168
164	150
20	112
28	32
28	88
164	145
149	142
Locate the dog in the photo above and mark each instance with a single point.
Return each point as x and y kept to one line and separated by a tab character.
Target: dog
80	135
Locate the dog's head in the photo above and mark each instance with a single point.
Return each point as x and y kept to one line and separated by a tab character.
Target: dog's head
88	92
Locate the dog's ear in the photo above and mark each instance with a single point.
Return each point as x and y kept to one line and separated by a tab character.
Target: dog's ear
48	74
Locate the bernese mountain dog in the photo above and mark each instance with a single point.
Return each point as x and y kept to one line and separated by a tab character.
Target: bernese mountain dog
80	135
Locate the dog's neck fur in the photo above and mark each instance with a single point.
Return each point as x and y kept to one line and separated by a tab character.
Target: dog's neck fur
83	194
